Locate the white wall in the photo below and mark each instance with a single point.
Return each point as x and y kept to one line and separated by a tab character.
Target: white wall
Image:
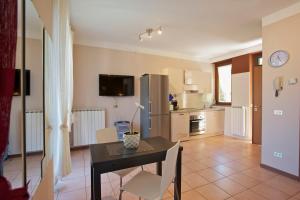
91	61
281	133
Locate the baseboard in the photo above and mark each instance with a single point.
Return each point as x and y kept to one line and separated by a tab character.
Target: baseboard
297	178
41	152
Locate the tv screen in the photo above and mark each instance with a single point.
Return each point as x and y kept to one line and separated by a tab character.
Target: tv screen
116	85
17	85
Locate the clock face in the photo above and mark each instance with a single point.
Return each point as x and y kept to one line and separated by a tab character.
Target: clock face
279	58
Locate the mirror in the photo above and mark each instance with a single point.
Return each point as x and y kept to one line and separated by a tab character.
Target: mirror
34	96
17	167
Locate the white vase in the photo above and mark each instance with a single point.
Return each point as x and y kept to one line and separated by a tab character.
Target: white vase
131	141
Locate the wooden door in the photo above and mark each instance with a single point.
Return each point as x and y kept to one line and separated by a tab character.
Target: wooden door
257	105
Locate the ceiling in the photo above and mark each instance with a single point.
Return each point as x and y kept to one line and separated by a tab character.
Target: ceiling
192	29
34	25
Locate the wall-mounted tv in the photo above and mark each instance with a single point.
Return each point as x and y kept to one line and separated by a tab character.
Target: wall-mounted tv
17	85
116	85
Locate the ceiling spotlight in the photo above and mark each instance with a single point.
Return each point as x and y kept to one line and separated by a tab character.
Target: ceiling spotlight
148	34
140	38
159	31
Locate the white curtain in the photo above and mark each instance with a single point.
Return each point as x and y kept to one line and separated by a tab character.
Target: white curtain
63	62
51	99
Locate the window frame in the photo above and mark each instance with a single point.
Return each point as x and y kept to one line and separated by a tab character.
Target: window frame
217	65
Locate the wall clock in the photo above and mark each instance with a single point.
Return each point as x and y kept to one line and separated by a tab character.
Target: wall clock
279	58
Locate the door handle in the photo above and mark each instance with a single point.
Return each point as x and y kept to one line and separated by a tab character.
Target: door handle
255	108
150	107
150	123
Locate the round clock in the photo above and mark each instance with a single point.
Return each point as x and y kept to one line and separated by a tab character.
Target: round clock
279	58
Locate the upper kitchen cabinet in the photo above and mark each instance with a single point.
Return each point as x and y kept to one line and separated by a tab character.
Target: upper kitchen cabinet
201	80
176	80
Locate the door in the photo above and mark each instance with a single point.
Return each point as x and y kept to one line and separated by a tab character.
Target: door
160	126
257	105
158	94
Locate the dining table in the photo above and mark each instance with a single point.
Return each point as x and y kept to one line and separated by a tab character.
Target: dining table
109	157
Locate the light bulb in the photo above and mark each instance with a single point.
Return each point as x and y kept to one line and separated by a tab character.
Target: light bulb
140	38
159	31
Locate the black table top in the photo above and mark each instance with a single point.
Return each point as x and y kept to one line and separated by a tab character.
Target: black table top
101	157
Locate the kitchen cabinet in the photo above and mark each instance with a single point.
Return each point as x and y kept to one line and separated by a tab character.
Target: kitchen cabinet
214	121
180	125
176	80
199	79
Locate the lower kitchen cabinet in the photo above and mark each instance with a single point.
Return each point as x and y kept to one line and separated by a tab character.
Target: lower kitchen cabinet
215	121
180	126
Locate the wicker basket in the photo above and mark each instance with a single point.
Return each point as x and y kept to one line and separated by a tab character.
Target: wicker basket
131	141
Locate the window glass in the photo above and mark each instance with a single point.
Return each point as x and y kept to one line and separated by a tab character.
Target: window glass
224	74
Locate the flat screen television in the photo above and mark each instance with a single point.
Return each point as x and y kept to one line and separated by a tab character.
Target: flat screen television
17	85
116	85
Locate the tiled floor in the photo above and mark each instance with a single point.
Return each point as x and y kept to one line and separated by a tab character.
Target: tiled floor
13	171
214	168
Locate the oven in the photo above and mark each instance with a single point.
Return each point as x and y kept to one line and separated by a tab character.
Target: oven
197	123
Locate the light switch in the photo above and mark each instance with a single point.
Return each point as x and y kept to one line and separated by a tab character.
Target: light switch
278	112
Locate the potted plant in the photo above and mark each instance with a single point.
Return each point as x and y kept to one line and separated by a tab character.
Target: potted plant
132	138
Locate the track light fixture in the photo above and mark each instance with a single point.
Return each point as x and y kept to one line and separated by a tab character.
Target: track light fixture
148	34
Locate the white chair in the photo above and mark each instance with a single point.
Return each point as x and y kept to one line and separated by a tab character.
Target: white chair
108	135
151	186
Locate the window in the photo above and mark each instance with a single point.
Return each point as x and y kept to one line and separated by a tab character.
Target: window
223	83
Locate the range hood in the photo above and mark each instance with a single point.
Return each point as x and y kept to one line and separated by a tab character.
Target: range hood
192	89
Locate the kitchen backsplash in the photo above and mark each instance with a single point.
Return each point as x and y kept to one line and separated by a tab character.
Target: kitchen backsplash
190	100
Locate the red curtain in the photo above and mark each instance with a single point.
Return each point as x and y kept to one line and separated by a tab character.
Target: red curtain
8	42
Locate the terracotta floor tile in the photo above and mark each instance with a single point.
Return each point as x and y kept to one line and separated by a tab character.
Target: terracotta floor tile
248	195
72	184
298	195
226	171
236	166
195	180
212	192
210	175
259	173
74	195
195	166
230	186
192	195
209	162
244	180
285	184
269	192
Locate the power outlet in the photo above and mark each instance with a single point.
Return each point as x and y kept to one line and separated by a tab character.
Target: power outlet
278	154
278	112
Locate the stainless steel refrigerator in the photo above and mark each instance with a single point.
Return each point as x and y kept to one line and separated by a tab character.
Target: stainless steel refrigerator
155	118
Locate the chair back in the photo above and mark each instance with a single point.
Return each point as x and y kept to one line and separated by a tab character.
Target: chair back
169	168
107	135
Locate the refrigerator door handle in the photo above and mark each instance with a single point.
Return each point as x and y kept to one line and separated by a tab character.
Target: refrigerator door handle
150	123
150	107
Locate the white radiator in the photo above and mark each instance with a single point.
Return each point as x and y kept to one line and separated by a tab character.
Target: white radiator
85	125
34	131
238	121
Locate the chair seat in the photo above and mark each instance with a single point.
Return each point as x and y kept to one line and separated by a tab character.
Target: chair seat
145	185
124	172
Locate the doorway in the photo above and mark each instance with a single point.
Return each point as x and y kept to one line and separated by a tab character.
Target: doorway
257	99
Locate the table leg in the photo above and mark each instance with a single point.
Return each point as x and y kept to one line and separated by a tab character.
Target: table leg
159	168
92	184
177	182
95	185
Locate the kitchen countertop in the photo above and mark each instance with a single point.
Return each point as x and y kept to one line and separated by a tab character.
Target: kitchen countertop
188	110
